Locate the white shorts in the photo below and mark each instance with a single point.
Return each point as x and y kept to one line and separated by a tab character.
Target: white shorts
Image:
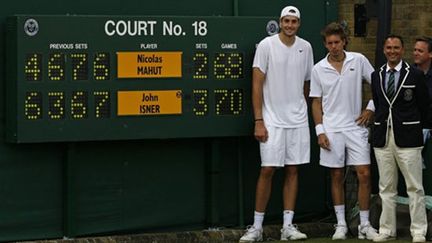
350	146
285	146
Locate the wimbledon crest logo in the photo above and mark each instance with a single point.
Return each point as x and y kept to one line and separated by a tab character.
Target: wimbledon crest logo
272	27
31	27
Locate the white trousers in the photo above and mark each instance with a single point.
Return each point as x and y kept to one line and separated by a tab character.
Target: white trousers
389	158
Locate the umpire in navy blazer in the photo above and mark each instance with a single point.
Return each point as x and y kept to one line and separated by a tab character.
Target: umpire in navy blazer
408	109
401	103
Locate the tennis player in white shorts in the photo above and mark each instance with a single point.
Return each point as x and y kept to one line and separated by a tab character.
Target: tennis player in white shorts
285	146
349	147
281	73
336	88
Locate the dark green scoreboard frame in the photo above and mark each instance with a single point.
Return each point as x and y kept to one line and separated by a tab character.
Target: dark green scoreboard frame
62	77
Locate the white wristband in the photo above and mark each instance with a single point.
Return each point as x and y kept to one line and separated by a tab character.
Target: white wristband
370	106
319	129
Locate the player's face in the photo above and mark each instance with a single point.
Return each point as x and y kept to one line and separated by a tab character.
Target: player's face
421	53
335	45
289	25
393	50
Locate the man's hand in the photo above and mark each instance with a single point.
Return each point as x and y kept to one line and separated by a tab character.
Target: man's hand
365	118
323	141
261	133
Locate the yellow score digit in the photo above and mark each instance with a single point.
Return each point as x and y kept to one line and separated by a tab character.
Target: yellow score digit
101	66
235	64
79	66
236	102
33	67
56	105
200	60
33	105
201	102
79	105
56	67
220	66
220	96
102	104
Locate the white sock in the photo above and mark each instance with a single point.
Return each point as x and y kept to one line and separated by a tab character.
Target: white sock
258	220
364	217
340	214
288	216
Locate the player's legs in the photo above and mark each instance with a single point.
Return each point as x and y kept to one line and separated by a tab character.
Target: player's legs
263	188
290	187
358	154
364	187
334	159
337	185
297	152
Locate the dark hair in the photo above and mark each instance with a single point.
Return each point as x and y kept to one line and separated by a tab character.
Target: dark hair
334	29
427	40
392	36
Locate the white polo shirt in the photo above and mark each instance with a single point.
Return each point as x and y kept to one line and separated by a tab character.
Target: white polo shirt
286	69
341	92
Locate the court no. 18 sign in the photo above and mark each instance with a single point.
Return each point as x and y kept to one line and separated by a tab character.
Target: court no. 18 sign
79	78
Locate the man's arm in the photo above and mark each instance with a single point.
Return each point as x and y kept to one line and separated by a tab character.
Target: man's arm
317	114
424	101
374	93
306	90
258	78
367	114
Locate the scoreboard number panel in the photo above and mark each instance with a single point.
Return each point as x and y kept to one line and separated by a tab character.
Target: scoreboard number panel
122	77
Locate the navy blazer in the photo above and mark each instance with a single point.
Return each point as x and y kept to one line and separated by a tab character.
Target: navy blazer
408	110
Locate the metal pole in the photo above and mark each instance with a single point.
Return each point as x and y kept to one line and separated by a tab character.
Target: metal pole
240	182
236	7
384	27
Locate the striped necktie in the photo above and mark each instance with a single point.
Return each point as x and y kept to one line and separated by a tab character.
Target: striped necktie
391	85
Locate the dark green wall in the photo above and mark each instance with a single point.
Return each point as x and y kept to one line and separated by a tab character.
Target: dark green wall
55	189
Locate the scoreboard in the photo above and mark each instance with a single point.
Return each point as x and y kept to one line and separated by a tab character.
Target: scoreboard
87	78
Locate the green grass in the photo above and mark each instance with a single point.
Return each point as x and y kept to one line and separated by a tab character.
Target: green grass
351	240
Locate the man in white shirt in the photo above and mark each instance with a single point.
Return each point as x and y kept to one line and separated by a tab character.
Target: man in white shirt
336	88
281	69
